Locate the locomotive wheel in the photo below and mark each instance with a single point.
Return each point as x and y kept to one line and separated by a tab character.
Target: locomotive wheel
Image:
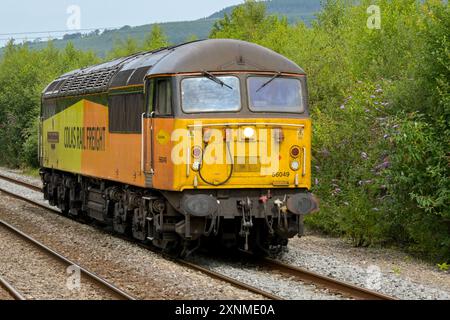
120	220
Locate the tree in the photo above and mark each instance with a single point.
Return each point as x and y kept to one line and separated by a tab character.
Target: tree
156	39
247	22
192	37
124	48
24	73
250	22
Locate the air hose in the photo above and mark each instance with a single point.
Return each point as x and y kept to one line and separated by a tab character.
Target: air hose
231	168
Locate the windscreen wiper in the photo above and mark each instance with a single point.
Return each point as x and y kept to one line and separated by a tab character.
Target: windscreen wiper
269	81
212	77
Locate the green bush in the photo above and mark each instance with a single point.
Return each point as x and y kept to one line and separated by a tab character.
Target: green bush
419	184
24	74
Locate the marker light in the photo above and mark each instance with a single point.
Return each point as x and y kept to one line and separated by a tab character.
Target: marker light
295	152
197	152
249	133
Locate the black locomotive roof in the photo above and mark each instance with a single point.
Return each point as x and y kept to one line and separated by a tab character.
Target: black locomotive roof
204	55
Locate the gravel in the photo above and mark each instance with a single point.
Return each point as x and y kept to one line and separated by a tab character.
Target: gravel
37	275
280	285
18	175
4	295
388	271
138	271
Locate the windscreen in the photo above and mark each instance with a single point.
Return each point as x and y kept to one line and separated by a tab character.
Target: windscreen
269	94
203	94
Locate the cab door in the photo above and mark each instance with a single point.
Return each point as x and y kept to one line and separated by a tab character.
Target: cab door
147	136
158	128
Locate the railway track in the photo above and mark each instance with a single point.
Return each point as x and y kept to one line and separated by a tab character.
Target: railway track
13	292
234	282
102	283
334	285
20	183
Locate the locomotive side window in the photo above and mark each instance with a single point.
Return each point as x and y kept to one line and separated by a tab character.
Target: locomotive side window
163	97
125	113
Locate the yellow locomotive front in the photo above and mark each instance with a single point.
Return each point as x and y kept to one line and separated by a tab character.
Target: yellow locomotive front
235	158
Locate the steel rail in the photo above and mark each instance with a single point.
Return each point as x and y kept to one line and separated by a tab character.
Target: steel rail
28	200
334	285
21	183
92	276
13	292
234	282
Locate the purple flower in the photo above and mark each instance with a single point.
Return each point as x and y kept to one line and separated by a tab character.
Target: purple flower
343	107
383	166
325	152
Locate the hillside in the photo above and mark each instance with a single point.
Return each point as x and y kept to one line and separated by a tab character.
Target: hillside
294	10
178	32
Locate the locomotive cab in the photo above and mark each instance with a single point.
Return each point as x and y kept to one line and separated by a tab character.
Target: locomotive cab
239	150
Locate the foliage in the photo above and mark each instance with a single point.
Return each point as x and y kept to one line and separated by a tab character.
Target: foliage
156	39
24	73
443	266
251	23
124	48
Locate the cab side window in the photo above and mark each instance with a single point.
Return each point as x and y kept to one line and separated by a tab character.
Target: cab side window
163	97
125	113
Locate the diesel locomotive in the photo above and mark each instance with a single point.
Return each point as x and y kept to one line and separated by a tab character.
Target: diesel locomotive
204	143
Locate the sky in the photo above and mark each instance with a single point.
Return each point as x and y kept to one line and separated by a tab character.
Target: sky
28	16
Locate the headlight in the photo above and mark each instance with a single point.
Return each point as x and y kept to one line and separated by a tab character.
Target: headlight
249	132
196	166
295	165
